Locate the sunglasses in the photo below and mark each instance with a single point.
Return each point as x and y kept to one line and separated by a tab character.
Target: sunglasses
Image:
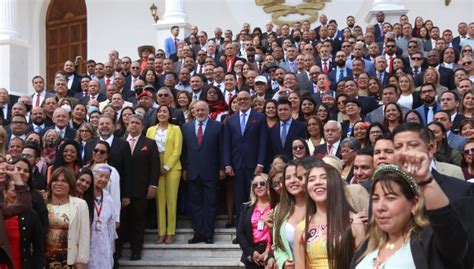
467	63
163	95
259	184
469	151
390	46
135	68
101	151
416	59
300	147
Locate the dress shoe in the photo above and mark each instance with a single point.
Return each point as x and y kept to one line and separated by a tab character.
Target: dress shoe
209	241
136	257
235	241
196	239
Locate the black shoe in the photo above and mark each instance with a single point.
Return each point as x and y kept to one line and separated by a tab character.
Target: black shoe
229	225
196	239
136	257
209	241
235	241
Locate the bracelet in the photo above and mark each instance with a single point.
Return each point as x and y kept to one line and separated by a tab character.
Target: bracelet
425	182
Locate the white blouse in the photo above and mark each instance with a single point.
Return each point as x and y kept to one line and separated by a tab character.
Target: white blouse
400	259
160	138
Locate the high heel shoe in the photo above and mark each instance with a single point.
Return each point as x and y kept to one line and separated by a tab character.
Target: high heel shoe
160	240
169	239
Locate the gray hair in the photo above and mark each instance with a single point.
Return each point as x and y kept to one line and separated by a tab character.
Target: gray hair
338	124
352	142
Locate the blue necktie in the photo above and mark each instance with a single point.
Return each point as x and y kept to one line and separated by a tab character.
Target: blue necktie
341	74
283	134
242	124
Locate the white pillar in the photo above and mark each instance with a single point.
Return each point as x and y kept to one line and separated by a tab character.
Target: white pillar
8	10
13	51
393	9
174	14
174	11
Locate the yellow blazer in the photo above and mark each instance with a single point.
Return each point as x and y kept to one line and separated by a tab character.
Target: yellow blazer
173	146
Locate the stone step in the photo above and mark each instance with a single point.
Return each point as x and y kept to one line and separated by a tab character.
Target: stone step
184	234
184	250
185	221
179	262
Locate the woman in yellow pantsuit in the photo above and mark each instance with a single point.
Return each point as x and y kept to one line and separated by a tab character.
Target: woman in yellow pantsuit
169	139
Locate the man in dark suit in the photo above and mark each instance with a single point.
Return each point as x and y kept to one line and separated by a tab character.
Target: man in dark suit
341	71
380	67
446	77
202	168
332	136
412	137
73	79
61	124
462	30
84	88
93	93
378	34
18	128
217	39
368	103
430	106
40	91
198	93
281	135
145	163
230	58
245	144
449	102
5	106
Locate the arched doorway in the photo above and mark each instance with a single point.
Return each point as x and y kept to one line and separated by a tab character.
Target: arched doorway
66	35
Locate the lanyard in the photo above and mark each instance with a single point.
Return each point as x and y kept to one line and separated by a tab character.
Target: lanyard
99	211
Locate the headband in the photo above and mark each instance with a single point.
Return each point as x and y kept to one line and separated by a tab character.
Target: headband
103	169
395	169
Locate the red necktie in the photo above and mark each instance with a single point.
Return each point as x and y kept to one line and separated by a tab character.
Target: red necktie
329	149
200	70
200	133
229	96
325	67
37	103
107	82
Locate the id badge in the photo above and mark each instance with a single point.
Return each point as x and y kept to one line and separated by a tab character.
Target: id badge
260	225
98	225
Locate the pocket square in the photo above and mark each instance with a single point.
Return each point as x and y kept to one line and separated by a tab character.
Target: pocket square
145	148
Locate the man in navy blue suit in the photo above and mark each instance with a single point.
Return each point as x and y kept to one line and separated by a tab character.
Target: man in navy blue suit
378	34
245	141
202	167
284	132
341	71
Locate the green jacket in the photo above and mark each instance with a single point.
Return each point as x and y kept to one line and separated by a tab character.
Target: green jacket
281	256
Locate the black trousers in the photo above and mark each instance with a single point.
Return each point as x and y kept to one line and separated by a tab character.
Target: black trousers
242	185
203	200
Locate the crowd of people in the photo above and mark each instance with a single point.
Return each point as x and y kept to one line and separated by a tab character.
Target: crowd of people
329	148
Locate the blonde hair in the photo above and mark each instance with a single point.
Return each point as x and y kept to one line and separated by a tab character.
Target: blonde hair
253	197
3	138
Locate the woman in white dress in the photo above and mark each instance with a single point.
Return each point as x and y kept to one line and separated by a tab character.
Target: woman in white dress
103	233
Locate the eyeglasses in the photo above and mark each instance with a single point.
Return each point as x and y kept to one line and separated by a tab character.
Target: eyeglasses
300	147
390	46
100	151
26	156
469	151
416	58
163	95
135	68
467	63
259	184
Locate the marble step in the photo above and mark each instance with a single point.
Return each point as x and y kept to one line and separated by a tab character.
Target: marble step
185	221
184	250
179	262
184	234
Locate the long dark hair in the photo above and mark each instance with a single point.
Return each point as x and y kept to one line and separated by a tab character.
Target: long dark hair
339	242
88	195
59	161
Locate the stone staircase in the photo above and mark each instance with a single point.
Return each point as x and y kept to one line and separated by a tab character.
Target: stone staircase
220	255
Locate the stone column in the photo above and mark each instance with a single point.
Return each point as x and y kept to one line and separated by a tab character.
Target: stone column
174	14
8	13
13	51
393	9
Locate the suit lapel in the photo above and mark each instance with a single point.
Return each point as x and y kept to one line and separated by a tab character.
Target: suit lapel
138	145
248	124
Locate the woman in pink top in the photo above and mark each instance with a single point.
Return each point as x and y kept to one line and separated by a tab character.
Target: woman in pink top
253	234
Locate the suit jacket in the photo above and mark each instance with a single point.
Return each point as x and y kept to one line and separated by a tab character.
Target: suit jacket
170	46
224	64
378	33
170	158
120	158
368	104
79	233
457	43
70	133
76	85
146	167
450	170
203	161
46	95
421	110
333	76
7	211
100	97
322	150
384	78
456	141
331	65
446	77
245	234
249	149
304	83
457	123
296	129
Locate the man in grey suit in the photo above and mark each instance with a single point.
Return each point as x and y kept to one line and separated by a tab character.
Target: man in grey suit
40	91
389	95
455	141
